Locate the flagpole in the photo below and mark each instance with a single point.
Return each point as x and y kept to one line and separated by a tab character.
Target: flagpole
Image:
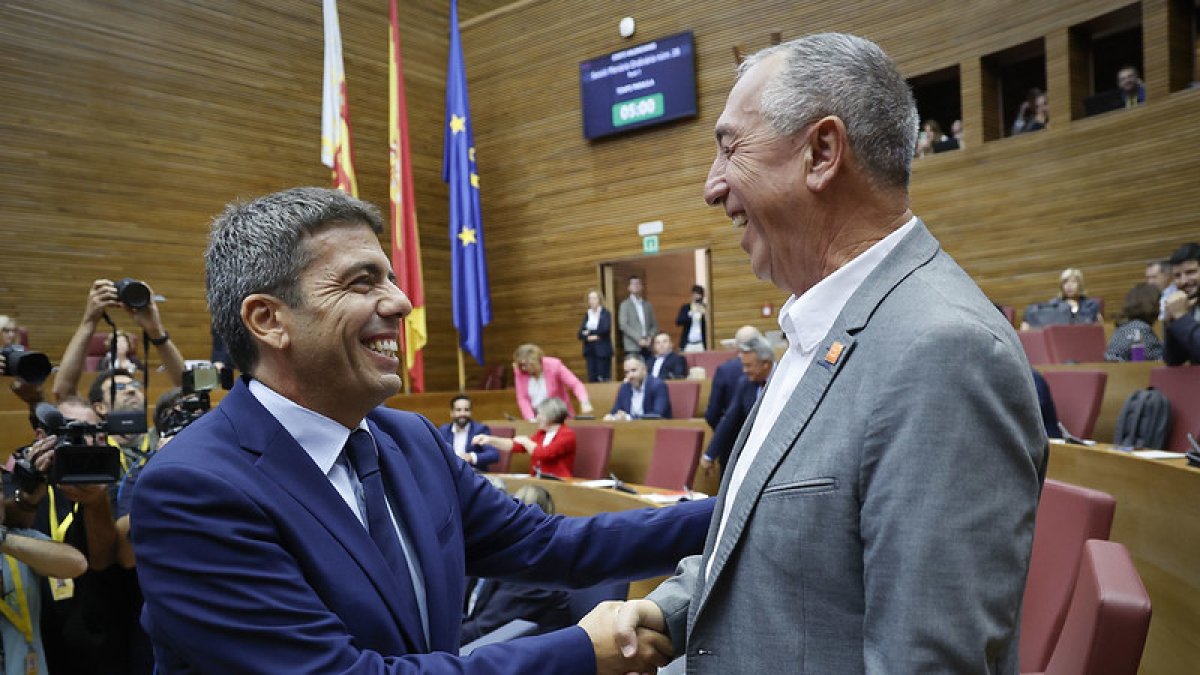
462	372
404	375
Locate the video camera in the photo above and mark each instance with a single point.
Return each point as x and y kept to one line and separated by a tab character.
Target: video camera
192	403
33	367
82	454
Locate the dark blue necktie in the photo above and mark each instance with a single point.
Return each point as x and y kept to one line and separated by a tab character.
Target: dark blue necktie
361	449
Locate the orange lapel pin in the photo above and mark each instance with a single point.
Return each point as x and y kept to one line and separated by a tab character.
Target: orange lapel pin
834	353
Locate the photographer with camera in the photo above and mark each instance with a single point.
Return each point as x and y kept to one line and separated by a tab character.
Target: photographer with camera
87	621
27	368
138	300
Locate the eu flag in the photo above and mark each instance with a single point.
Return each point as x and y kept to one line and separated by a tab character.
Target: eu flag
468	265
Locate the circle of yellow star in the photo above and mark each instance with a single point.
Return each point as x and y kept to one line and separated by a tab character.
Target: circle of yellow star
457	123
467	236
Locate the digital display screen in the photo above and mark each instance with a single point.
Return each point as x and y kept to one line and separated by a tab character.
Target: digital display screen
638	87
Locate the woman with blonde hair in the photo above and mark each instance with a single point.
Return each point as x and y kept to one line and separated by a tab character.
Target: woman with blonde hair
1071	305
537	377
596	334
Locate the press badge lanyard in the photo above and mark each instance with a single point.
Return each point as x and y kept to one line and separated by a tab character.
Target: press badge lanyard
20	617
141	452
59	530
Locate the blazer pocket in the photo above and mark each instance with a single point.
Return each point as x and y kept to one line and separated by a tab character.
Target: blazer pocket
446	529
801	488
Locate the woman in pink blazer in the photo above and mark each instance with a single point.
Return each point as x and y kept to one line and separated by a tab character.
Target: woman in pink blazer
538	377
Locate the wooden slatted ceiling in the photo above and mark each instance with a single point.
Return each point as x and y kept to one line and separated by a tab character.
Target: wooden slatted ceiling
128	125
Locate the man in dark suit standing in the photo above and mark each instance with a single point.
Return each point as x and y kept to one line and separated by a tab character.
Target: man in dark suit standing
459	432
640	395
667	364
302	527
757	358
726	380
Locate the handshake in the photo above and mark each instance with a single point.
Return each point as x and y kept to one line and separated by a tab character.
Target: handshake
628	637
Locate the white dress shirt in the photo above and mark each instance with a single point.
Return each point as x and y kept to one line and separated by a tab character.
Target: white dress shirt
805	320
323	440
637	398
537	390
593	318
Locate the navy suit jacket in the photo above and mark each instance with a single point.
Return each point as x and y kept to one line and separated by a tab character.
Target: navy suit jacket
601	348
726	433
725	382
251	562
657	399
485	455
674	368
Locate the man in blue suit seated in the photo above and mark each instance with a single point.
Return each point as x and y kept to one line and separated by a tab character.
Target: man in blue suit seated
666	364
640	396
757	359
300	527
727	379
462	429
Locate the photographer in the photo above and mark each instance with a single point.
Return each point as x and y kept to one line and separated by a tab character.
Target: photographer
102	296
29	557
87	621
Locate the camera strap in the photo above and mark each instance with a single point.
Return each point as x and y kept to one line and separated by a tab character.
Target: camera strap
19	617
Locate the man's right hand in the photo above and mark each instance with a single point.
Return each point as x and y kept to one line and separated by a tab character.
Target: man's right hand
625	639
707	466
1176	305
102	295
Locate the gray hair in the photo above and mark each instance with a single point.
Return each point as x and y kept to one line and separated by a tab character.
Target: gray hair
554	410
759	347
852	79
258	247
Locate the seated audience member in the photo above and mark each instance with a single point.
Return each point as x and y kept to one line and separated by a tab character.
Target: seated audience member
727	378
694	322
551	448
757	358
125	356
1181	329
1135	326
1130	93
29	557
537	377
954	141
666	364
1158	274
462	429
1070	306
491	603
10	332
640	395
1034	113
596	335
102	296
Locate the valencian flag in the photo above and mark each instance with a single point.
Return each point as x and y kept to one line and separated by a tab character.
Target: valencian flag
468	266
406	243
335	113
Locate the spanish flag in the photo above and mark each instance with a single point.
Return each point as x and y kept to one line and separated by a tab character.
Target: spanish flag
336	152
406	242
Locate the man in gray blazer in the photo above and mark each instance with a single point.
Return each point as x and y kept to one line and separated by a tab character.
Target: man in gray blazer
878	513
636	319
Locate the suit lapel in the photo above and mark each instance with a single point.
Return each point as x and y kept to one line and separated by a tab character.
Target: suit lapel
413	516
915	250
283	462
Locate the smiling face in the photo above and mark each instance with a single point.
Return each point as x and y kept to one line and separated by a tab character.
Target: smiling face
758	176
461	412
341	342
1187	277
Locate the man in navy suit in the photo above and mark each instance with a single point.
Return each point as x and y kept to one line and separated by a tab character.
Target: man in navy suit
640	395
667	364
757	359
459	433
727	379
300	527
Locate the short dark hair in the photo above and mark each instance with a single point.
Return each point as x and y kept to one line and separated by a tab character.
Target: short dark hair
1161	264
1141	303
698	289
165	405
633	356
99	388
1189	251
460	397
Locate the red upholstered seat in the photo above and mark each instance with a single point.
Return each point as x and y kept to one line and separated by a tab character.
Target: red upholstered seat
708	360
1067	516
1075	343
501	465
593	447
1109	617
1077	396
676	452
1033	341
1181	386
684	395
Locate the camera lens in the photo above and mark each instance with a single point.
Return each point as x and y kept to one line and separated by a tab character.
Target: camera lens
133	293
33	367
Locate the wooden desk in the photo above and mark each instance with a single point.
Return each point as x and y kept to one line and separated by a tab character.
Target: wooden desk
633	444
572	499
1158	520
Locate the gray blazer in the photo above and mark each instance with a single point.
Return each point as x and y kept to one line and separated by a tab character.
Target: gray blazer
886	524
631	327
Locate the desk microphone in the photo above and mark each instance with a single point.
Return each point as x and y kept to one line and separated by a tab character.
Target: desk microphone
620	486
1193	455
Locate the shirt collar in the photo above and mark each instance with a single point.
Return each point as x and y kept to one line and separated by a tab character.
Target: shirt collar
319	436
807	319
